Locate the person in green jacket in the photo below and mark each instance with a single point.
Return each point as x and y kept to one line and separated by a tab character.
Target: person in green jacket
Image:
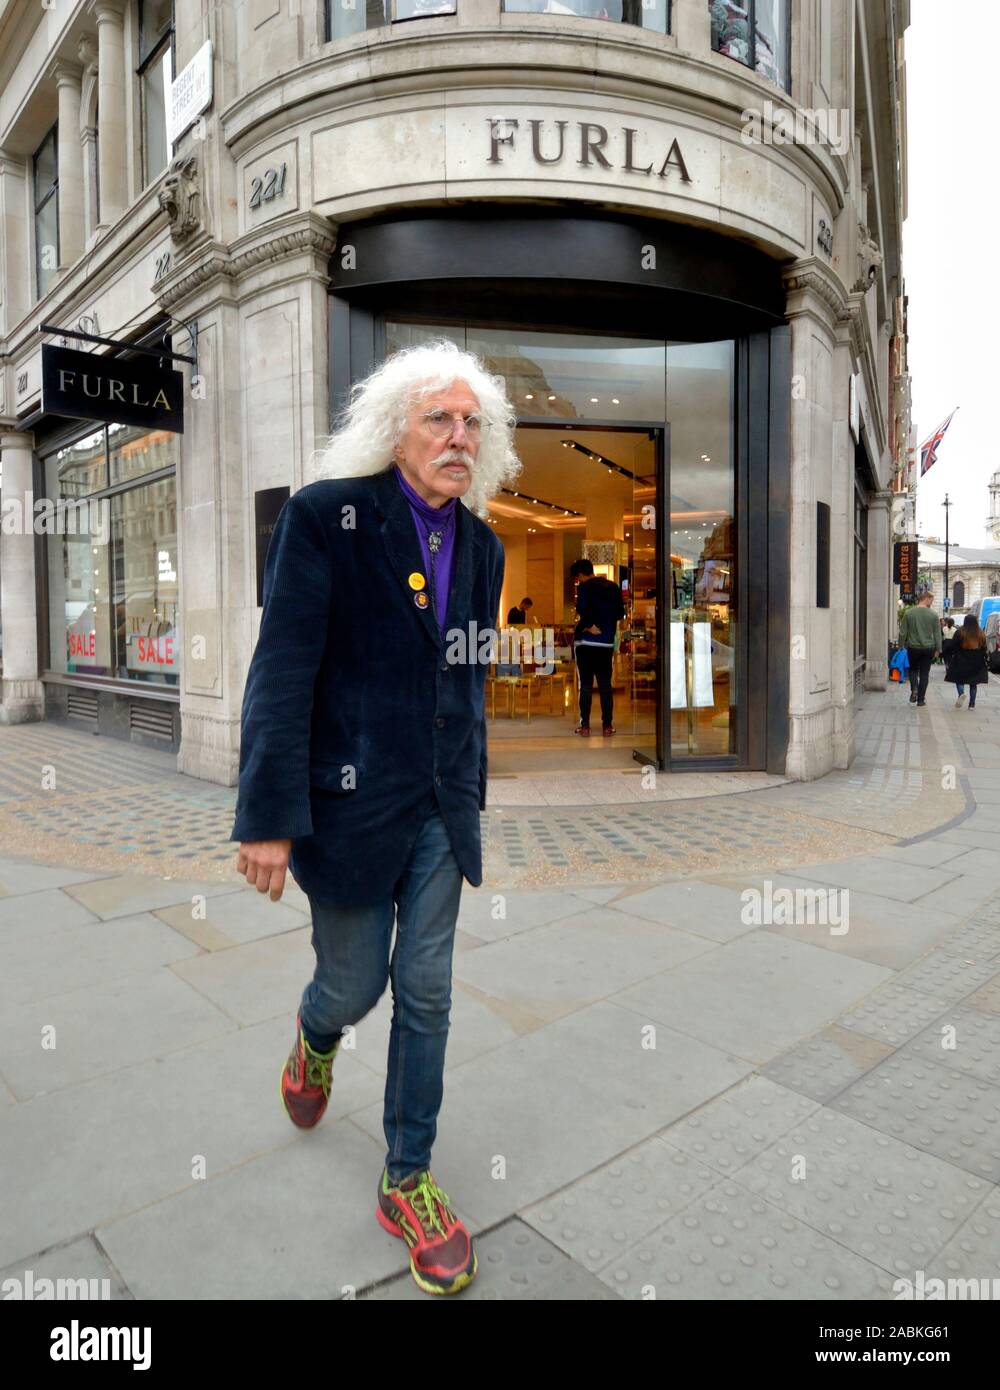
920	634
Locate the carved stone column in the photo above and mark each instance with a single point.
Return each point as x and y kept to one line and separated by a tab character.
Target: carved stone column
111	111
23	696
68	79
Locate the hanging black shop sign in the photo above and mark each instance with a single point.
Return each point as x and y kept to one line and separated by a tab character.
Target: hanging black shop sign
266	505
136	391
904	569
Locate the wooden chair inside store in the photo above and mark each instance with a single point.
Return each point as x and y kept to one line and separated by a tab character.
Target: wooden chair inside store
518	674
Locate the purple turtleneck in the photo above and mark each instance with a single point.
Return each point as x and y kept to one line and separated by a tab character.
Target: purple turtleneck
426	519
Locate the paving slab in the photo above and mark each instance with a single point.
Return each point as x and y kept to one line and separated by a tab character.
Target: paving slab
19	876
987	998
704	909
495	914
568	964
295	1223
600	1216
825	1064
230	919
35	965
755	996
930	853
951	971
44	911
126	894
257	980
974	1250
902	881
77	1260
931	1107
130	1138
965	1038
63	1039
516	1264
733	1245
732	1129
549	1107
876	1195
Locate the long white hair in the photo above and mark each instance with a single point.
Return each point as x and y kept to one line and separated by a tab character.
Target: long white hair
376	414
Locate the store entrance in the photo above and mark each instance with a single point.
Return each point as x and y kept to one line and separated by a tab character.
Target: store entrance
584	494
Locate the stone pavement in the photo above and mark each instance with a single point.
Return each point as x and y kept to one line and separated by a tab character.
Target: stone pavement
729	1046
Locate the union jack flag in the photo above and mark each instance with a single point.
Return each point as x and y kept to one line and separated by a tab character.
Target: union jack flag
928	450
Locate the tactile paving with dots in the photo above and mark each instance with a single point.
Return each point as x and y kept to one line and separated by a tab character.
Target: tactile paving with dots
974	1250
732	1244
893	1014
879	1196
973	1047
932	1107
948	973
514	1263
735	1127
822	1066
601	1215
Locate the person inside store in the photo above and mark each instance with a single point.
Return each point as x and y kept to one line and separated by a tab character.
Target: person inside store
965	661
920	634
599	608
519	613
363	746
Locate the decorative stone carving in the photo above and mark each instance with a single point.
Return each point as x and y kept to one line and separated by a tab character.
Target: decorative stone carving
180	197
869	260
87	53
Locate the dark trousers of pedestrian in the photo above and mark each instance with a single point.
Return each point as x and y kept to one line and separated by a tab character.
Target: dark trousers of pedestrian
353	967
920	670
594	663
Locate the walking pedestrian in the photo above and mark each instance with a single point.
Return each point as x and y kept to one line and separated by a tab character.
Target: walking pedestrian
965	661
599	608
920	634
363	745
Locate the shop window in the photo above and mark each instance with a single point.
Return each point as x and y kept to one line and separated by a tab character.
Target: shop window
45	171
645	14
112	557
756	33
860	573
155	71
345	17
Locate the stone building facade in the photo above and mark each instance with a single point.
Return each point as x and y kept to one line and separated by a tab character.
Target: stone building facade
585	174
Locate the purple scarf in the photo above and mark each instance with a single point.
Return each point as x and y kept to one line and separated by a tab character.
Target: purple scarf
429	519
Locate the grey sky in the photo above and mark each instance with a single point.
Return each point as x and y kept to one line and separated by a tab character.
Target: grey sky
954	299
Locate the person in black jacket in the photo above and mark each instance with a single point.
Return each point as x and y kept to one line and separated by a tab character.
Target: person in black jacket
600	609
965	660
363	745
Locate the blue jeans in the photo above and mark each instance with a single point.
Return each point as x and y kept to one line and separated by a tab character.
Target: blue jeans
972	693
353	967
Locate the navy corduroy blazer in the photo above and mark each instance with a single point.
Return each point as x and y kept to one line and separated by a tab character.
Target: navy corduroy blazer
357	715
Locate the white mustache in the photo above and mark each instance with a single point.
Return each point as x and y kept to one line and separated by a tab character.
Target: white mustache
455	456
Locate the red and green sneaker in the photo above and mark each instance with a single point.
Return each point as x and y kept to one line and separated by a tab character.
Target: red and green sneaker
306	1080
442	1258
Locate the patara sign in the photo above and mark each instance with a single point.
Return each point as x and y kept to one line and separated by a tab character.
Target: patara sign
588	144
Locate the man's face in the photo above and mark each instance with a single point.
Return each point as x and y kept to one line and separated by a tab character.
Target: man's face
439	465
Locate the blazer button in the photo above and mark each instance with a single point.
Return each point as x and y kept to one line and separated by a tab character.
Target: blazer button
437	781
445	669
439	722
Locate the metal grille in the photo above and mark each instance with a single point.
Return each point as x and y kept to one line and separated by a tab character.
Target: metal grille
82	704
146	719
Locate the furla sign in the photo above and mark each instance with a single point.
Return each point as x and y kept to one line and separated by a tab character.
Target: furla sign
134	391
588	145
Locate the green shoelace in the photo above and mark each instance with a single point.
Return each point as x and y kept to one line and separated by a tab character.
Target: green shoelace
424	1198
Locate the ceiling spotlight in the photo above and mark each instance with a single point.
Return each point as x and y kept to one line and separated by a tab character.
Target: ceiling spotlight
551	398
615	400
593	400
529	397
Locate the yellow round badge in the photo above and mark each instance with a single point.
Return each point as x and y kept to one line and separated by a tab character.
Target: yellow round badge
417	581
421	600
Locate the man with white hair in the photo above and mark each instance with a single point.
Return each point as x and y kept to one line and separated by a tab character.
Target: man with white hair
363	744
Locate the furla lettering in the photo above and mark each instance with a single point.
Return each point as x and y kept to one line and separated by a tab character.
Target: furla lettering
107	386
595	147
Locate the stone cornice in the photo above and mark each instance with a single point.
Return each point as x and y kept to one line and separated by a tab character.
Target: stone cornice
302	234
813	276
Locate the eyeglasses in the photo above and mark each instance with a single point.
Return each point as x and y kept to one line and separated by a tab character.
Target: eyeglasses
441	423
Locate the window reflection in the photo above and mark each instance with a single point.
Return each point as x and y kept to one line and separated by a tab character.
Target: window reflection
755	34
645	14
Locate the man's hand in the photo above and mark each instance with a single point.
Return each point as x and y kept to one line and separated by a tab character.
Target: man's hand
265	863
